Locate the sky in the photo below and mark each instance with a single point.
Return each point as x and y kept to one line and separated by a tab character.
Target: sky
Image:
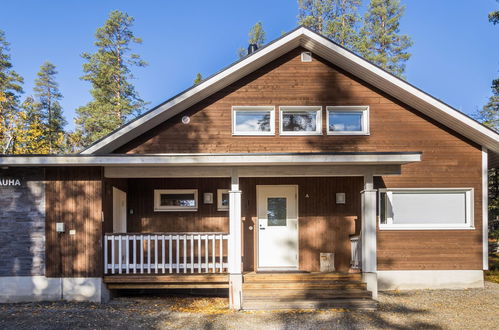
455	55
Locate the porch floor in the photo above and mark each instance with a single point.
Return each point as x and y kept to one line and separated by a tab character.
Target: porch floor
167	281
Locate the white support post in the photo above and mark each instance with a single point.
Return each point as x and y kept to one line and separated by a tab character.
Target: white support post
368	235
235	243
485	208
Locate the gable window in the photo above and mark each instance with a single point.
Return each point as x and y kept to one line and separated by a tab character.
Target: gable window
253	120
175	200
446	208
300	120
348	120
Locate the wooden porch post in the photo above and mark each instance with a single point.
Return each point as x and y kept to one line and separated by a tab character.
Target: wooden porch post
235	243
368	235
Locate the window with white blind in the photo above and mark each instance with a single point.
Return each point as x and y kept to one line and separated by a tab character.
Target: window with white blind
447	208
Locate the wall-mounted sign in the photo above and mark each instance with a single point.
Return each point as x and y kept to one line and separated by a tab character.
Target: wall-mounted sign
9	182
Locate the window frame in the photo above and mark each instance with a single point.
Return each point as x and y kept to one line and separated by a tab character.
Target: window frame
298	108
159	208
259	108
364	109
469	207
220	193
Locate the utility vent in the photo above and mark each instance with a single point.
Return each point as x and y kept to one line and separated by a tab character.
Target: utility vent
306	57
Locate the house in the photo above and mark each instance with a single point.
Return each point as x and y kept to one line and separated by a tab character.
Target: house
300	170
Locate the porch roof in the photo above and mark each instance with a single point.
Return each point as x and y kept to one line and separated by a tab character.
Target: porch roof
210	159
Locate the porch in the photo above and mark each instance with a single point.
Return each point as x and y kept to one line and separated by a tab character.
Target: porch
197	244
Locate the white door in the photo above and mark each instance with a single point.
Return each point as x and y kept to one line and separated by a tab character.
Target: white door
119	222
277	210
119	211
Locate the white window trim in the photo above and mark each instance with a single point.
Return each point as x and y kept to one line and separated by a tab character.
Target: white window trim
157	199
221	207
253	109
297	108
469	225
365	119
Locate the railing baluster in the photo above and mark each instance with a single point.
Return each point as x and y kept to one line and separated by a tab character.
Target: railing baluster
170	262
206	253
135	254
148	254
112	254
156	253
177	261
105	254
127	254
192	253
214	253
185	253
199	253
221	257
142	254
163	252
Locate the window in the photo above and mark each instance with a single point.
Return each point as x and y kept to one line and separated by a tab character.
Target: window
426	208
276	211
251	120
176	200
301	120
223	199
348	120
306	56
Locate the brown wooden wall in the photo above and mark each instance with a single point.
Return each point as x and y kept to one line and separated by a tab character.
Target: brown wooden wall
73	196
324	226
449	160
140	198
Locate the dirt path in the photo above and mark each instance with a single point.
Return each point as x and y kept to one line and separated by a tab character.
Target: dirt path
442	309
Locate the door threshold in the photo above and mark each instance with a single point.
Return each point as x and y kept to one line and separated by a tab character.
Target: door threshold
282	272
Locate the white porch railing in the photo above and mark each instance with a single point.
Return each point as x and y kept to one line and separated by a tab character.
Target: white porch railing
161	253
356	251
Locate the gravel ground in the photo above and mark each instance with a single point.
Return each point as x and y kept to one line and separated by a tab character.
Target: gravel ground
426	309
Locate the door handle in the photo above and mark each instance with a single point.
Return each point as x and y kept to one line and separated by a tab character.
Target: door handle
262	228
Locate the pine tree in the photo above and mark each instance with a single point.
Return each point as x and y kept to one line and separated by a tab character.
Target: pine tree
380	41
29	130
494	16
334	19
489	114
10	89
115	100
198	79
48	95
256	36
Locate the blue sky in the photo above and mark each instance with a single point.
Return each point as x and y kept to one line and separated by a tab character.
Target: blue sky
455	52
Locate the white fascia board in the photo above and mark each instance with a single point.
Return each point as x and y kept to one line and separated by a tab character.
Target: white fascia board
197	93
210	159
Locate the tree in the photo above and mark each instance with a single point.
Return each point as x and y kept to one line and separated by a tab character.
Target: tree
335	19
115	100
494	16
256	36
198	79
48	95
10	89
29	130
380	41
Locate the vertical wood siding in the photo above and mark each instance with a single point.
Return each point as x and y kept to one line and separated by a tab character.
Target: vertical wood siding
73	196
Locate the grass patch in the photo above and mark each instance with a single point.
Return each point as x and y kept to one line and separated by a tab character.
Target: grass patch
492	275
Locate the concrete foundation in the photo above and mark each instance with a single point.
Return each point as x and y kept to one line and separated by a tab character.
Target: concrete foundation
429	279
15	289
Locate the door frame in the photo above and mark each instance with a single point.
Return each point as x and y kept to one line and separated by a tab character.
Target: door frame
257	231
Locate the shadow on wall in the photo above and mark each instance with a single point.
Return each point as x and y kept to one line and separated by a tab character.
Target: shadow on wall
22	218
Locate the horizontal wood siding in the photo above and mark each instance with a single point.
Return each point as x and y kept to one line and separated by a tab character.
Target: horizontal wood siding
73	196
140	198
449	160
324	226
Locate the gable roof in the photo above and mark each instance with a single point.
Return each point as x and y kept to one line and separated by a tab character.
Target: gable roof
327	49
